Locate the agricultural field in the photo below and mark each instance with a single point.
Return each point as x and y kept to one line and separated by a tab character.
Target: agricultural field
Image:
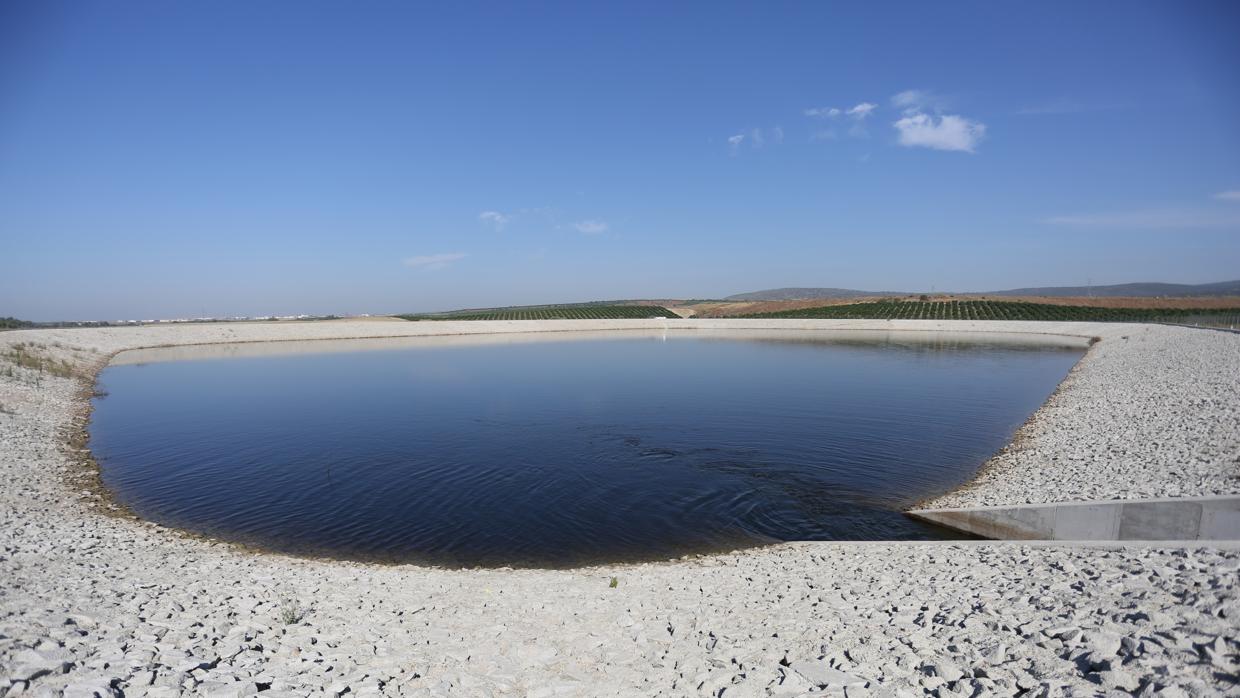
553	312
1006	310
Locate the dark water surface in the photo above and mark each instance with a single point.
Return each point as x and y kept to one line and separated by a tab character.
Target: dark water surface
561	450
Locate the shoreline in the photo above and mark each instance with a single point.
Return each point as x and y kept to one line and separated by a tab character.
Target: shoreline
1022	433
88	474
88	600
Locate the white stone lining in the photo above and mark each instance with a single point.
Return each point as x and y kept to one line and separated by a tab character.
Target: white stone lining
94	604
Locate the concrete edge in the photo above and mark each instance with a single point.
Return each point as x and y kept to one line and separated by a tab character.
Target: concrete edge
1204	519
993	543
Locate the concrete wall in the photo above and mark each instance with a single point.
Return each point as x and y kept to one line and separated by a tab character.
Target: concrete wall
1181	519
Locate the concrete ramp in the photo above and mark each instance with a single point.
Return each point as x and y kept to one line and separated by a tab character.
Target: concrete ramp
1179	519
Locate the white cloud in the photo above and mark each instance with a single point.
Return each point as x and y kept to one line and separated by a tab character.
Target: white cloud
936	130
1231	195
756	139
591	227
432	261
1150	219
777	134
495	218
827	112
946	132
862	110
734	142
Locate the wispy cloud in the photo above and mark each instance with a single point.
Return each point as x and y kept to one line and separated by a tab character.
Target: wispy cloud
862	110
923	125
858	111
1230	195
757	138
919	100
1150	219
591	227
495	218
857	114
1066	106
910	99
429	262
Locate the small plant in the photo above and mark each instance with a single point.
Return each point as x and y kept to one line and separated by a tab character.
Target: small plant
614	583
291	613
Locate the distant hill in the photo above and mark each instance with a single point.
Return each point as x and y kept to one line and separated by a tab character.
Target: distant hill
797	294
1222	288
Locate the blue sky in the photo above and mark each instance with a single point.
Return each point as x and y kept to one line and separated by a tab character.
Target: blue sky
166	159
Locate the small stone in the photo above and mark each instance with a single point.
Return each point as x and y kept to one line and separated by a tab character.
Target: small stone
821	674
943	669
1118	678
1067	633
32	664
1103	643
91	688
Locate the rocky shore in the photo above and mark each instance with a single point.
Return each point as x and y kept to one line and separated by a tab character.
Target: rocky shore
97	603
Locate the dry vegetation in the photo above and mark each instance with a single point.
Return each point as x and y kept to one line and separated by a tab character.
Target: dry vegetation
30	362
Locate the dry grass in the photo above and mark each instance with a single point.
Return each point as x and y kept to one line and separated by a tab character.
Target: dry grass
37	358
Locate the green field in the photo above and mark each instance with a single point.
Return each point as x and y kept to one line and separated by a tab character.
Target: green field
581	311
1001	310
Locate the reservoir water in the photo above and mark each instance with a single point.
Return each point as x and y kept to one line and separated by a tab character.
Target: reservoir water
560	449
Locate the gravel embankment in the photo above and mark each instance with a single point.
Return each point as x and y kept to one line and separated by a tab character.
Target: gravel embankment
96	604
1151	412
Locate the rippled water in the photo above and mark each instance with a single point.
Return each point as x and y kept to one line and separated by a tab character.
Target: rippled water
561	450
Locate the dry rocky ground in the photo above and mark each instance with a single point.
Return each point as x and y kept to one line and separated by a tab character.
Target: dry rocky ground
92	604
